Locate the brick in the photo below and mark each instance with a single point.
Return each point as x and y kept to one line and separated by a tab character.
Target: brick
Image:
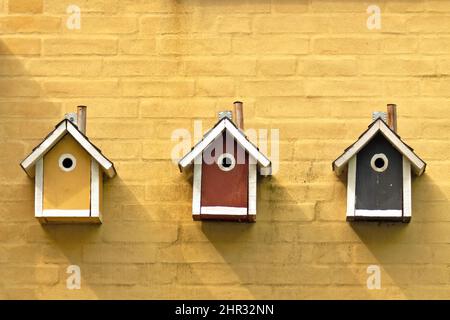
106	108
132	232
143	6
30	24
215	87
25	6
137	46
286	6
277	66
64	67
346	45
234	24
195	107
291	24
20	46
163	24
33	108
66	46
121	150
270	45
183	45
328	67
87	6
20	88
272	88
139	67
107	25
76	88
144	88
26	275
342	87
119	253
219	67
398	67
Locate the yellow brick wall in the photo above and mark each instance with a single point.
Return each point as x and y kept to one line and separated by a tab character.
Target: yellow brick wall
309	68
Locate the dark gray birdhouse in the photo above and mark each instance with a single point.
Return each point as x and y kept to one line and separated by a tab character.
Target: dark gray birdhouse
379	166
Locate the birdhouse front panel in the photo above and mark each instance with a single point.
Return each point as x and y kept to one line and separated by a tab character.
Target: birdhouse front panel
224	184
379	177
67	178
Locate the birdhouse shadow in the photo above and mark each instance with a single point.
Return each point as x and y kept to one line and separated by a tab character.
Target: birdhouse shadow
246	248
400	249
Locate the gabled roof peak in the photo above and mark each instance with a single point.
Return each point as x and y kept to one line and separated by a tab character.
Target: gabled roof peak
61	129
224	124
380	126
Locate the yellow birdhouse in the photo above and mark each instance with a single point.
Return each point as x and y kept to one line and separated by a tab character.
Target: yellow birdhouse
68	171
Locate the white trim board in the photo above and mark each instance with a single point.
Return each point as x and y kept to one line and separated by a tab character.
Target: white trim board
407	205
95	189
379	126
351	187
252	179
197	185
379	213
66	127
213	134
39	188
56	213
232	211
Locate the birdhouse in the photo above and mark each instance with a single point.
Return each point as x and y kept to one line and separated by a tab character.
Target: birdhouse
68	171
225	167
379	167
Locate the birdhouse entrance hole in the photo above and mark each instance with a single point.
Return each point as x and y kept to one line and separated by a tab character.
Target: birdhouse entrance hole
379	162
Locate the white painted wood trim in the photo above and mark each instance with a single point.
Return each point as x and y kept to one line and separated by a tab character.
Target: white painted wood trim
105	163
39	188
252	179
43	148
197	185
188	158
241	139
351	187
358	145
232	211
418	164
95	189
54	137
407	205
252	150
379	213
55	213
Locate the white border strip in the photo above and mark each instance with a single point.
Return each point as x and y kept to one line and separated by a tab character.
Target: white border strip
39	188
55	213
232	211
95	189
407	205
197	186
379	213
46	145
351	187
252	178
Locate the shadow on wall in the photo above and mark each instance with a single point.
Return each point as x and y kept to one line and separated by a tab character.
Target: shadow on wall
35	257
405	252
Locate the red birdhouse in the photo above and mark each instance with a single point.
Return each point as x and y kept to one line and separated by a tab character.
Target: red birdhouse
225	166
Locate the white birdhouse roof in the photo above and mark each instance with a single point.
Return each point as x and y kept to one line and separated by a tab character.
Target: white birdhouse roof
418	165
61	129
211	135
